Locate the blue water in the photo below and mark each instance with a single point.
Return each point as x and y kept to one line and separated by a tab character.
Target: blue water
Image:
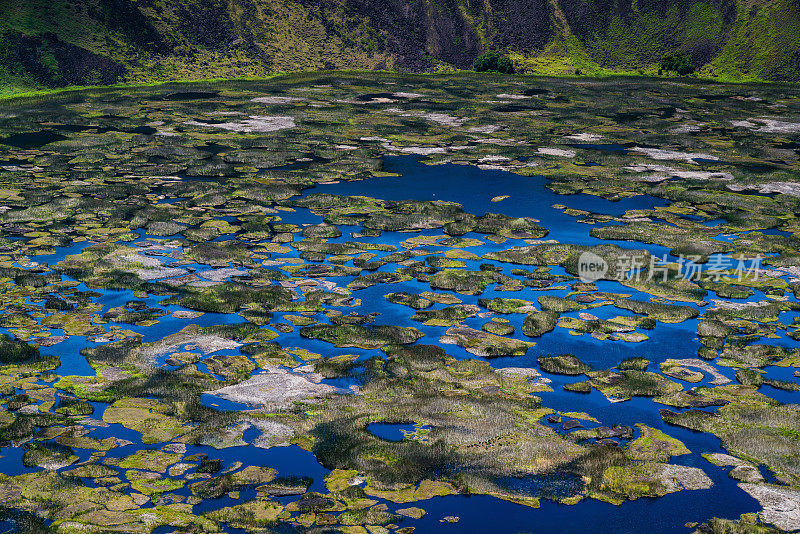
391	431
479	514
224	405
62	252
474	188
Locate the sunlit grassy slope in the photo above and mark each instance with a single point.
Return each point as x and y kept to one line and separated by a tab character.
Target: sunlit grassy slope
55	43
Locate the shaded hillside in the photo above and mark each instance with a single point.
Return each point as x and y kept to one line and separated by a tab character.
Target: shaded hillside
51	43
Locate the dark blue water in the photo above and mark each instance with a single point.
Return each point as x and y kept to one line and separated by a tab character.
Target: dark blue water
223	405
391	431
474	188
28	140
62	252
665	515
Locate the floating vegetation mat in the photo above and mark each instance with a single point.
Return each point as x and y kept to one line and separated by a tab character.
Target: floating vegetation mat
375	303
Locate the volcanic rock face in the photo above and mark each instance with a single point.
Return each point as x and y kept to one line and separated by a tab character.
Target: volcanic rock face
125	39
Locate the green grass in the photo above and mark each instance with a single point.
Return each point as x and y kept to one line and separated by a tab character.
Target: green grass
760	37
761	43
20	89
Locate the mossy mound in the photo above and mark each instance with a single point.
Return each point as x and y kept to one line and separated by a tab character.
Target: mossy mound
485	344
539	323
416	302
564	364
367	337
498	327
624	384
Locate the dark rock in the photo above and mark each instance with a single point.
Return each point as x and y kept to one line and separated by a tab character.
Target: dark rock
571	424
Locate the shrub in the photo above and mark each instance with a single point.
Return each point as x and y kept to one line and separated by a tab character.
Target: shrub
677	62
493	62
209	465
19	521
13	352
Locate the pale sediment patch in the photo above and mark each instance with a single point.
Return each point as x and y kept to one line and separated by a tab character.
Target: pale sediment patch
793	271
146	267
784	188
54	465
254	124
277	99
327	285
522	372
742	470
682	477
763	125
499	142
485	129
584	137
134	257
728	305
51	340
374	100
558	152
485	167
204	343
21	168
724	460
114	374
781	127
160	273
181	280
186	314
219	275
439	118
696	363
781	506
688	128
273	434
495	163
204	283
416	150
277	387
662	172
662	154
493	159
